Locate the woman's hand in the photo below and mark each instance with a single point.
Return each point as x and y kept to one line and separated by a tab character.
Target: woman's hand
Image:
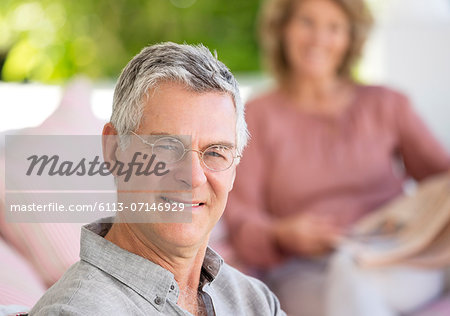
307	234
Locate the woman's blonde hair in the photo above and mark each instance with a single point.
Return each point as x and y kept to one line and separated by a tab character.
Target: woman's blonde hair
276	13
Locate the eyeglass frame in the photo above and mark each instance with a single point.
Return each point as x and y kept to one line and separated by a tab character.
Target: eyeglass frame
200	152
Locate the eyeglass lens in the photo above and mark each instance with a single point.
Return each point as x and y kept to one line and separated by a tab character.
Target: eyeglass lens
172	150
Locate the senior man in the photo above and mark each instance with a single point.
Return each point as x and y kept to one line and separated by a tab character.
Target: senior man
130	268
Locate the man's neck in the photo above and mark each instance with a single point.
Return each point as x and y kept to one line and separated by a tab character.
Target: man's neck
186	268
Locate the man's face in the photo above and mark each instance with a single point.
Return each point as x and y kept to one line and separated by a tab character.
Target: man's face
209	119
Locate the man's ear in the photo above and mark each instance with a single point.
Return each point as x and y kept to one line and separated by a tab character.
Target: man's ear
109	144
232	180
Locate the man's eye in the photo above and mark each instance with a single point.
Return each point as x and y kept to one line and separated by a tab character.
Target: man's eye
167	147
168	144
218	152
214	154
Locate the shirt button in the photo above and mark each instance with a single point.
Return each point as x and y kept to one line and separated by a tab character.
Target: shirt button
158	300
172	287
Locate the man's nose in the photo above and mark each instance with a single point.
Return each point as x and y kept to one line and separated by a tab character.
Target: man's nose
192	172
198	169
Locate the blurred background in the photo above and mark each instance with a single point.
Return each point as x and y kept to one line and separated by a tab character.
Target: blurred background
46	43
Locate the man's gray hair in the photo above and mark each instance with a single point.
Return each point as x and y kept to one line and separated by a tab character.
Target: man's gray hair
193	66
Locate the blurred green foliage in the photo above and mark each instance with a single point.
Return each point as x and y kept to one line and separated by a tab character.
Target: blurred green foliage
52	40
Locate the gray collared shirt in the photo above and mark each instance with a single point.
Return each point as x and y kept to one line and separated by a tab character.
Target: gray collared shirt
109	280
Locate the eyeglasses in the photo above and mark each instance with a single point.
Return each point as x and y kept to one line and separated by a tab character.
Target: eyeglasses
172	150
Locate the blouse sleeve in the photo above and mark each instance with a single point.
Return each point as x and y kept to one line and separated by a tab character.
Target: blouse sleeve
420	150
247	217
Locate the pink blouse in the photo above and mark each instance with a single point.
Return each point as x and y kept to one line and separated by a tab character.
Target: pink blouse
303	162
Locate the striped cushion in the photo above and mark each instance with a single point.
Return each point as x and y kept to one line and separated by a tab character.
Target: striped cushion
19	283
51	248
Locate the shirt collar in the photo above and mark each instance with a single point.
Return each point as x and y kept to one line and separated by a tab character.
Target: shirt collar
211	264
136	271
